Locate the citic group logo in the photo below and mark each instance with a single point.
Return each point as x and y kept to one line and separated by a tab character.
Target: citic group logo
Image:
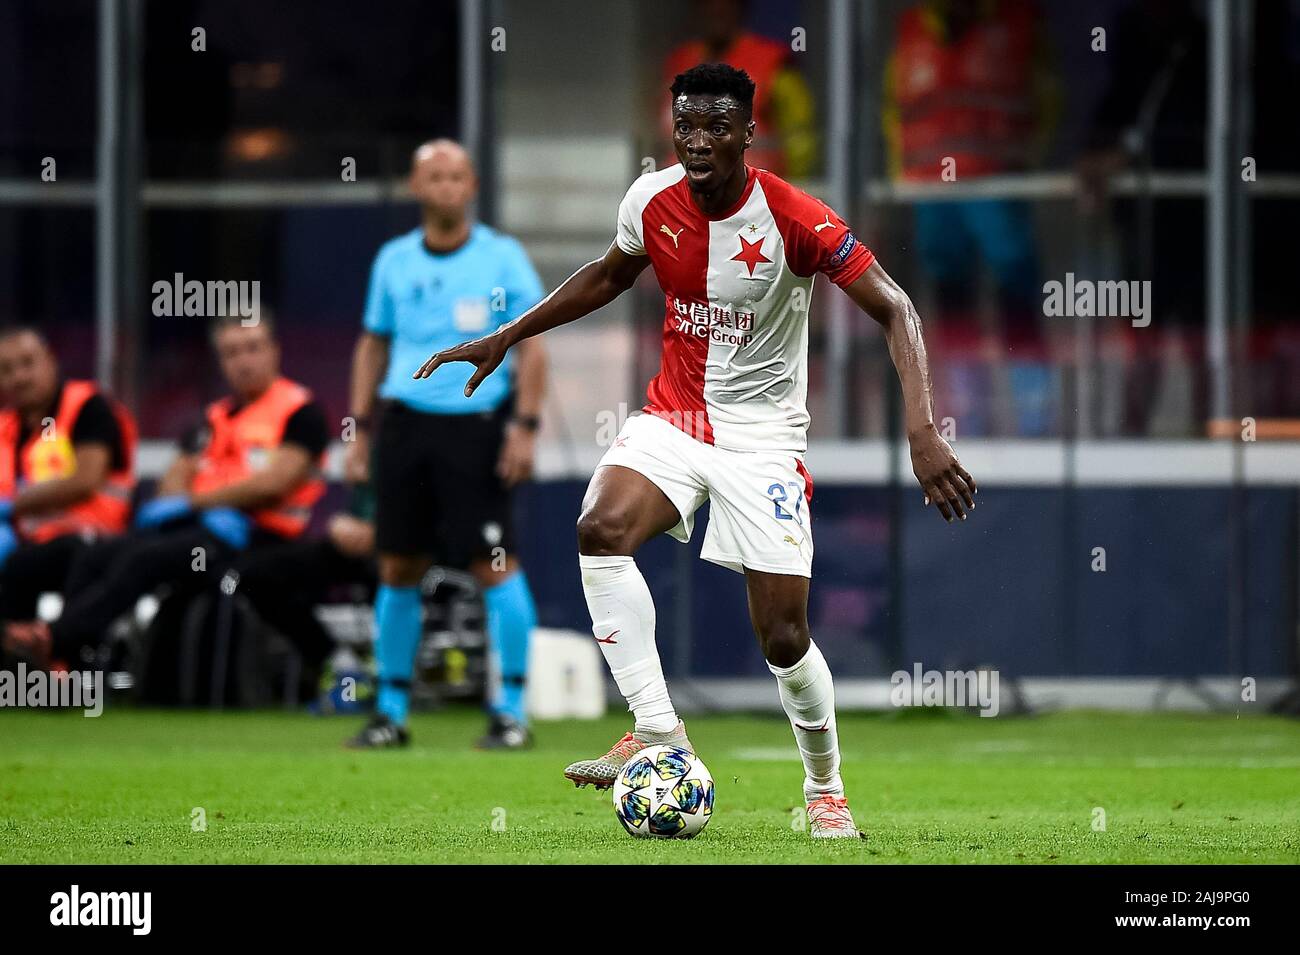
718	323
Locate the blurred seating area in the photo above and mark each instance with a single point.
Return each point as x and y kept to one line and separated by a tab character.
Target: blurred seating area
986	150
983	148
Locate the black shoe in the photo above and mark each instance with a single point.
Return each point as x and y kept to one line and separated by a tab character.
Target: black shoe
505	732
380	733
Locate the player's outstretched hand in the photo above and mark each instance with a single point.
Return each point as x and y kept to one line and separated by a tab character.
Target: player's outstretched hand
945	482
483	353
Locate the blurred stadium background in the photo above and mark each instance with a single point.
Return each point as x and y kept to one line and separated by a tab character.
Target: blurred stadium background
1128	163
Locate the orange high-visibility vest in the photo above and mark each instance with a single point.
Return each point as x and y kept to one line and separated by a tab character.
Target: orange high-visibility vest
970	98
48	455
762	59
242	440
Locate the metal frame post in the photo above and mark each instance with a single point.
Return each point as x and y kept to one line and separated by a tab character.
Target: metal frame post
1218	200
476	103
107	195
839	170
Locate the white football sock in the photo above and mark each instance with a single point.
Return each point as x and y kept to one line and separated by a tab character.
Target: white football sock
808	696
623	621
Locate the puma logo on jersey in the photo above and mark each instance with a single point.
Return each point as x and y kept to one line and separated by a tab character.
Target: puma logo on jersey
669	232
828	224
790	540
609	639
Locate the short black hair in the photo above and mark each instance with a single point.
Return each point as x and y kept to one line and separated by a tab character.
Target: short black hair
717	79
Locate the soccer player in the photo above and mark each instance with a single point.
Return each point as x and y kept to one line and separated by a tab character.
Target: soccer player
444	466
735	250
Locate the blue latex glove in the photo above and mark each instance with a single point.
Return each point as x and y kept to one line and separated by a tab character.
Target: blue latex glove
161	510
8	542
6	509
231	527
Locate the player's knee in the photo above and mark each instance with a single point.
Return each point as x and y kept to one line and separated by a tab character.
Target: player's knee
602	532
784	639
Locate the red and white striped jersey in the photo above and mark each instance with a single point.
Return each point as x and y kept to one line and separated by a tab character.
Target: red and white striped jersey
737	291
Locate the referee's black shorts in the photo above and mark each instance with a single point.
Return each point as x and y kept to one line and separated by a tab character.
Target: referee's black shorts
436	488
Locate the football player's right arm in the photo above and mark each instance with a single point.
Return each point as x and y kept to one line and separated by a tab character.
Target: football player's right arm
593	286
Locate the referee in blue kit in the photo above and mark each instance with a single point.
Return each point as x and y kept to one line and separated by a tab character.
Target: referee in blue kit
443	463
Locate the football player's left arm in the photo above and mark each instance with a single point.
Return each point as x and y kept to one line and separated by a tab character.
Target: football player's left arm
92	464
287	467
945	482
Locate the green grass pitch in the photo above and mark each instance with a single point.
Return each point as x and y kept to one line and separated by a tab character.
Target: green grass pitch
927	787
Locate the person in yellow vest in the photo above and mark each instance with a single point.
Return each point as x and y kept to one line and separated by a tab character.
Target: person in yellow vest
786	142
66	455
248	477
971	90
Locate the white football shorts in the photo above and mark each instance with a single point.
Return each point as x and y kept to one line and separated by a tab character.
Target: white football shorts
759	514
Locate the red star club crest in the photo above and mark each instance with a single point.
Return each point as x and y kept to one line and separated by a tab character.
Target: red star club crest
751	253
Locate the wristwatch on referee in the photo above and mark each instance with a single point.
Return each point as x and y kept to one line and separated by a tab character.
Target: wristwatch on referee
529	422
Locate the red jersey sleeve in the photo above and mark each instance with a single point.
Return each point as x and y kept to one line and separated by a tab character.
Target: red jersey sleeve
816	239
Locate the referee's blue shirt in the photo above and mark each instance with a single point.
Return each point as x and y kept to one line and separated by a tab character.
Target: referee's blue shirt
423	302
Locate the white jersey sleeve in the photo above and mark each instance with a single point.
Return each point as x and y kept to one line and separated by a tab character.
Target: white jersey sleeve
631	211
629	237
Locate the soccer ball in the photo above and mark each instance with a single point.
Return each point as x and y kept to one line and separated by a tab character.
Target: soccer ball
664	792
